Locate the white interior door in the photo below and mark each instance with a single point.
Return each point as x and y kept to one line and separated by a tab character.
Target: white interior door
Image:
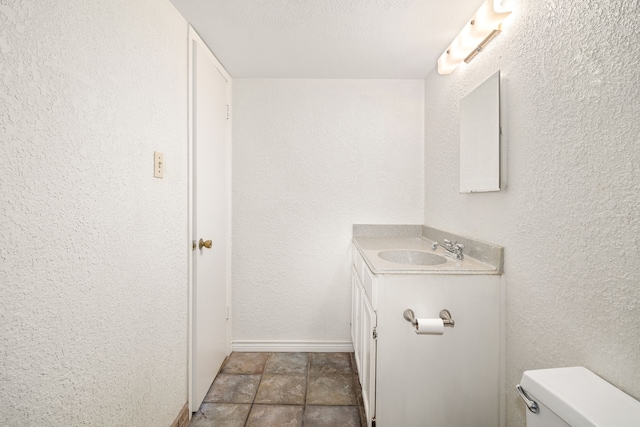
210	192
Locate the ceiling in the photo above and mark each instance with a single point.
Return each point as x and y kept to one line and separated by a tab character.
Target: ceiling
385	39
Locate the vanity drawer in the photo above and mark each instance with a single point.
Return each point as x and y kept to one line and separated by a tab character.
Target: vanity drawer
359	263
354	256
367	281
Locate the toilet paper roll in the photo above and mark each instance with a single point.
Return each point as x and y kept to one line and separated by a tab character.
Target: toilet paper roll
430	327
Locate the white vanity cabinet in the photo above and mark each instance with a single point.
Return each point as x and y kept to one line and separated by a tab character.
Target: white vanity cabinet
413	380
363	333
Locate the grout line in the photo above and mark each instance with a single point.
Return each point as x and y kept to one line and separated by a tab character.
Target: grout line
306	388
256	394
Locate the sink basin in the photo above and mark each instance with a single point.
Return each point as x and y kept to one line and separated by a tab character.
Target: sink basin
412	257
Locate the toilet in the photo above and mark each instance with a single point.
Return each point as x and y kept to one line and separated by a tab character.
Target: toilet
575	397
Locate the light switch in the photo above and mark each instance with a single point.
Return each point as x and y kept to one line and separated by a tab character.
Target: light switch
158	164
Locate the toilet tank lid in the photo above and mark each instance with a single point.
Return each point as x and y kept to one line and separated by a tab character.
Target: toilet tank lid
581	398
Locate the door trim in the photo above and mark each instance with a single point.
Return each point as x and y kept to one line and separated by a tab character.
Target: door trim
195	38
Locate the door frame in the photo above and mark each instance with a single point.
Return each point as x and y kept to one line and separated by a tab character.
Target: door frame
195	38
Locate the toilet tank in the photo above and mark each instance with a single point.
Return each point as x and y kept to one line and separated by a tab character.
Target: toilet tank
576	397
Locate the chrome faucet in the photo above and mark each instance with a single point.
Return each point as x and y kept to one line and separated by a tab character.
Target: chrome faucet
451	249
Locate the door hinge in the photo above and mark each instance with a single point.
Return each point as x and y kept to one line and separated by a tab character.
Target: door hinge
375	333
228	312
227	112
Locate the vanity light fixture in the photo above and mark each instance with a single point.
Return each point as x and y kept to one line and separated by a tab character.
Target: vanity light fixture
479	31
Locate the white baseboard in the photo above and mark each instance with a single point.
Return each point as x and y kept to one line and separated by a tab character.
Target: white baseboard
292	346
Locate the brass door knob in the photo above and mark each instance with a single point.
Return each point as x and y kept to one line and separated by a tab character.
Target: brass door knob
204	244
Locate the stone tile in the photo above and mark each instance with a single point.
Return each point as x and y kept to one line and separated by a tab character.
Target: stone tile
331	416
331	390
282	389
275	416
329	363
233	388
221	415
287	363
245	363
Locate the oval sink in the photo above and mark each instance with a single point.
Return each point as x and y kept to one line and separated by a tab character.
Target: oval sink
411	257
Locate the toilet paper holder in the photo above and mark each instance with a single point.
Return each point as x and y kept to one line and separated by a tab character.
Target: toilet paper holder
445	315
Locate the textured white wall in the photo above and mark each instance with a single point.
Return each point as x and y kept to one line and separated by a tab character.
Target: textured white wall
93	263
569	218
311	158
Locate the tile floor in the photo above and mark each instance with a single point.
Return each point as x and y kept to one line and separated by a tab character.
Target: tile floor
284	390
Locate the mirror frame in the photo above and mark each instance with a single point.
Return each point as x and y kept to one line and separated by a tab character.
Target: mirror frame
480	138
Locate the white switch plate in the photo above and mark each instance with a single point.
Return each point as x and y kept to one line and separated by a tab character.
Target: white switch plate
158	164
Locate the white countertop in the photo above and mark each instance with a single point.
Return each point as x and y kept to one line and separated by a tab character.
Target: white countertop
370	246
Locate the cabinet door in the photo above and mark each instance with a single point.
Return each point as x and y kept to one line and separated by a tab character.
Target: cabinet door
368	356
356	316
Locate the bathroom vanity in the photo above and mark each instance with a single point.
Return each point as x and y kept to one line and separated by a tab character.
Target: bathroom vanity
413	380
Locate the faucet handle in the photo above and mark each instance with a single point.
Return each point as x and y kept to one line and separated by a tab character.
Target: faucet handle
447	241
459	245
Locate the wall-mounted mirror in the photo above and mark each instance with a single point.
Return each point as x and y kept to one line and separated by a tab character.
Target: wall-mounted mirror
480	138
